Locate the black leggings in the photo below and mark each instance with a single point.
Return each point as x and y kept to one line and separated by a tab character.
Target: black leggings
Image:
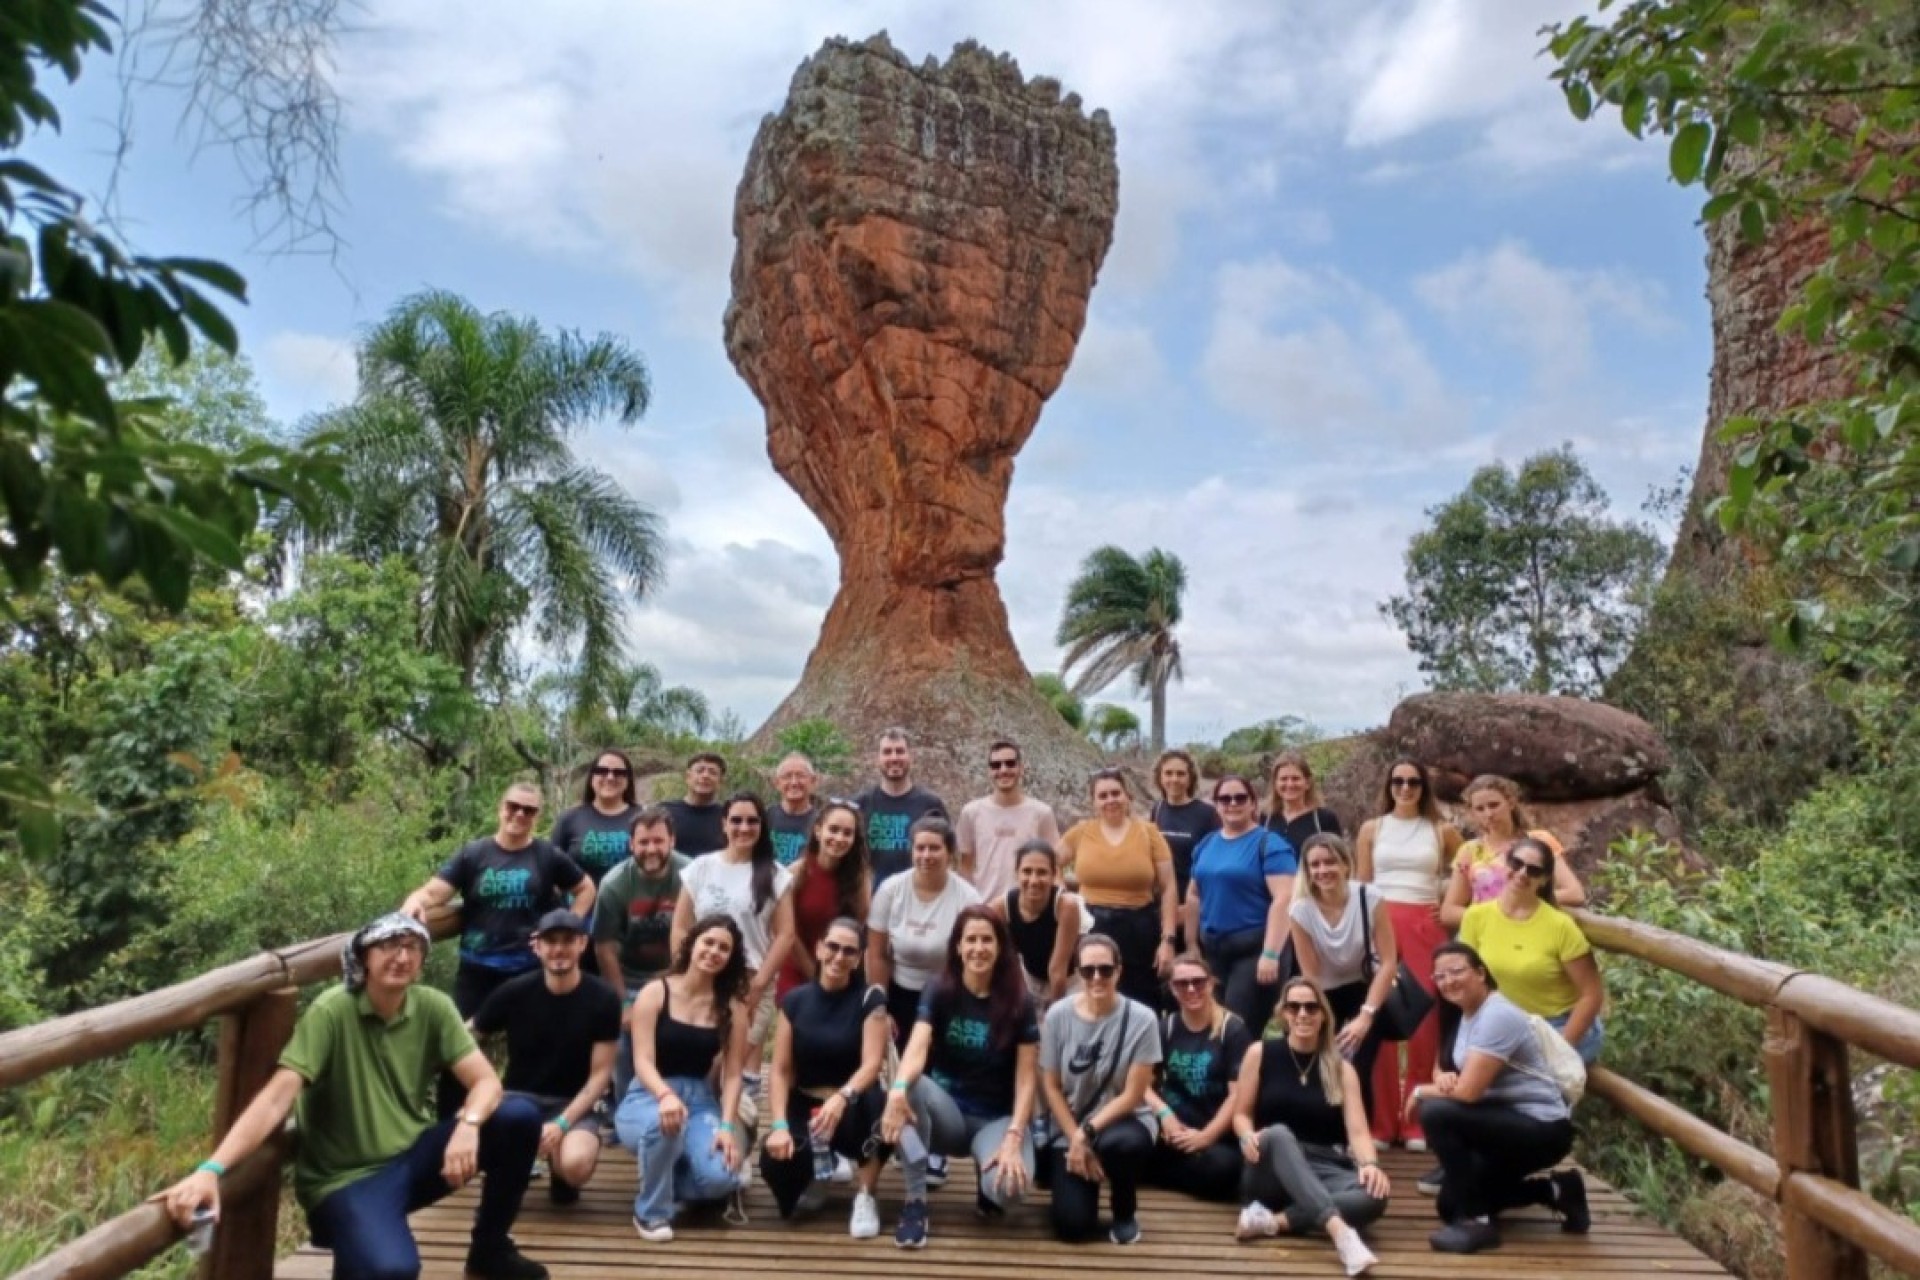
857	1137
1124	1148
1211	1173
1235	958
1136	930
1488	1151
1346	1002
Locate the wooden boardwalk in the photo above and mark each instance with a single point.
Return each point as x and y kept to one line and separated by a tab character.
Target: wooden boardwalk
1180	1237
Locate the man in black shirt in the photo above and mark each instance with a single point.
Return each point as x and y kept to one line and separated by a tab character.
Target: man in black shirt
891	807
561	1026
697	825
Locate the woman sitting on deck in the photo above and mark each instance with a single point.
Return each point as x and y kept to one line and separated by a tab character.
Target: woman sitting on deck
1201	1046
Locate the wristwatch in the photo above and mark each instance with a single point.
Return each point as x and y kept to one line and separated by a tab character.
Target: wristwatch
1088	1132
847	1094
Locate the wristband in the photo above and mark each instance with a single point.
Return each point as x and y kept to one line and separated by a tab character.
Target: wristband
1269	955
898	1086
724	1127
1163	1113
213	1167
780	1126
562	1123
1369	1010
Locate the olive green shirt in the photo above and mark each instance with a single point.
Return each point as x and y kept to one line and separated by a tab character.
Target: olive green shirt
370	1084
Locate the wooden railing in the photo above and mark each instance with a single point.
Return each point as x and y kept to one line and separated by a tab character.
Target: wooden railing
1831	1226
255	1000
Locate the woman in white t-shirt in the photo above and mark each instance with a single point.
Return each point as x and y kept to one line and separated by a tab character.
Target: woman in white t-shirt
743	880
1405	853
911	922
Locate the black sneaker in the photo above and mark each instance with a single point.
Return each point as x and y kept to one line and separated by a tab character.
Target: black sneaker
1570	1202
985	1209
1465	1237
503	1262
560	1191
912	1231
1429	1183
1125	1231
936	1171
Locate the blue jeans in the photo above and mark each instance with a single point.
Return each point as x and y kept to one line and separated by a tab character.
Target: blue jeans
365	1222
684	1167
1590	1043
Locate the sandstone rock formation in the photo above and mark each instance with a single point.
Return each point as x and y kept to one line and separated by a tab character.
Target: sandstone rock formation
1590	771
915	250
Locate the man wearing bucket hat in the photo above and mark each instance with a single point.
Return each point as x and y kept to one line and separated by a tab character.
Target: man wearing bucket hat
361	1069
561	1026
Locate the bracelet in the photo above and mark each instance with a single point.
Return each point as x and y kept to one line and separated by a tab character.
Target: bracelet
724	1127
1163	1113
898	1086
780	1126
561	1123
1269	955
213	1167
1367	1164
1369	1010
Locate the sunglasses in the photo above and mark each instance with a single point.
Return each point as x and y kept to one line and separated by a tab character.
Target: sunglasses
1189	984
840	949
517	810
842	802
1237	798
1404	782
999	765
1098	972
1517	863
1301	1007
743	822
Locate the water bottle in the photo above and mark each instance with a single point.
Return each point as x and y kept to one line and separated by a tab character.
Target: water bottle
822	1149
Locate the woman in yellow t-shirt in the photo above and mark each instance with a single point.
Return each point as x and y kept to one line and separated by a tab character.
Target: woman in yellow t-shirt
1125	875
1536	952
1480	865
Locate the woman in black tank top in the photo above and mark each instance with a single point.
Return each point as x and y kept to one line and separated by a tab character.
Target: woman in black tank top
683	1026
1298	1102
1044	919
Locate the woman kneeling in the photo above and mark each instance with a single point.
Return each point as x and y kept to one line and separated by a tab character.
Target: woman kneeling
1299	1104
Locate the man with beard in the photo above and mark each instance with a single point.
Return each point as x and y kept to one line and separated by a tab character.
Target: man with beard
561	1026
361	1068
633	927
994	826
697	821
892	806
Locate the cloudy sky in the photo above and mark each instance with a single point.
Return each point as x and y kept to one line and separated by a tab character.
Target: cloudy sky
1362	249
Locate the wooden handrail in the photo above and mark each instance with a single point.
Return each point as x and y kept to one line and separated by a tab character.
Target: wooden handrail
1744	1164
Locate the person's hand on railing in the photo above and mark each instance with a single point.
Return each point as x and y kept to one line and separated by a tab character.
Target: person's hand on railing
185	1197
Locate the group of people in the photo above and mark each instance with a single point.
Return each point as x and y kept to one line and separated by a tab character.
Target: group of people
1191	998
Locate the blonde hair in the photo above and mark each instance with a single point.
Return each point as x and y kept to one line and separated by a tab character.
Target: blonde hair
1302	882
1292	760
1506	788
1324	1053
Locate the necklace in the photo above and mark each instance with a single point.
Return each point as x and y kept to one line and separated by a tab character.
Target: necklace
1303	1071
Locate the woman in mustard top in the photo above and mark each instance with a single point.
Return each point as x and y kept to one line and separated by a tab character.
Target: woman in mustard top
1536	952
1125	876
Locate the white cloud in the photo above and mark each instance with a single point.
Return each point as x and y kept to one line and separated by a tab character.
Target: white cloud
1453	60
304	372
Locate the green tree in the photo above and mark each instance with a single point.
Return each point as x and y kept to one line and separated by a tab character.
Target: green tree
458	459
1284	733
1114	728
1071	706
1119	620
1525	582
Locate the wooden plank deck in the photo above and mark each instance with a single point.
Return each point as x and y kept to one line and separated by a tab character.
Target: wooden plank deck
1180	1236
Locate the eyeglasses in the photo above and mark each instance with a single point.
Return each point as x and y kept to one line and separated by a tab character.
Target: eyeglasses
840	949
1414	783
517	810
1300	1007
1098	972
1517	863
1451	975
743	822
998	765
1237	798
613	771
1189	984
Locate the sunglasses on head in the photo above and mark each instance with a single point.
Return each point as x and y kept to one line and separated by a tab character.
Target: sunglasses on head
839	948
841	802
1516	863
1098	972
517	810
1302	1007
1403	782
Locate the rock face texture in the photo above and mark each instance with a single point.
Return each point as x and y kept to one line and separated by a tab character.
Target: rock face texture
916	246
1590	772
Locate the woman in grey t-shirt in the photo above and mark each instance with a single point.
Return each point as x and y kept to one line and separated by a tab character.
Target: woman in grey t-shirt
1500	1119
1098	1050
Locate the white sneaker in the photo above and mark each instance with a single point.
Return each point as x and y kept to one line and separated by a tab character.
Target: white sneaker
842	1168
865	1223
1416	1145
1256	1220
1354	1254
654	1233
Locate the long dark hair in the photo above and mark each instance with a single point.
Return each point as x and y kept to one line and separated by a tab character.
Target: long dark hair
1007	998
850	876
586	781
763	860
1429	803
730	984
1547	860
1448	1012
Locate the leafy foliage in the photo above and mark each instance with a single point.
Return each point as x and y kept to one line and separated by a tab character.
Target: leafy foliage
1114	728
1283	733
1525	582
1119	619
819	740
1071	706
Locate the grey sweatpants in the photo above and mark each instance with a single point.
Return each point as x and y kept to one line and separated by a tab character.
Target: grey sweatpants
1310	1182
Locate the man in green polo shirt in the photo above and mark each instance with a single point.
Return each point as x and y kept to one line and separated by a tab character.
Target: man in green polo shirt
361	1067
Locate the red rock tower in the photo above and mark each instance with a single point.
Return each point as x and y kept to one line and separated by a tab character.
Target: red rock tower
915	250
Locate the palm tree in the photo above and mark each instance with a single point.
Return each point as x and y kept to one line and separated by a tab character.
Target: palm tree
1119	619
457	458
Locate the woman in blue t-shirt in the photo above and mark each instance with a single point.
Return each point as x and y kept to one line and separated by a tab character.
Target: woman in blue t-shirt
1497	1121
1242	883
967	1081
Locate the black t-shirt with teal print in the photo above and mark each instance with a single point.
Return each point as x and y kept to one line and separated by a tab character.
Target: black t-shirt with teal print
597	842
503	895
962	1059
789	832
1197	1067
890	822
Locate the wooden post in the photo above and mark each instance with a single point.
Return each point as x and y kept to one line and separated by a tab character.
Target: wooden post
250	1045
1813	1132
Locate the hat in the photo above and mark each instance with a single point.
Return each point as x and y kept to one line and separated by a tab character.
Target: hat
559	920
395	924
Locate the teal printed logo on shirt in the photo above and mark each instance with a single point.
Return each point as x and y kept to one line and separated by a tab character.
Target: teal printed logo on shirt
602	850
966	1033
1187	1072
506	888
887	832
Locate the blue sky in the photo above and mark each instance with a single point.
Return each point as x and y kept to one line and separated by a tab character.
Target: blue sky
1362	249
